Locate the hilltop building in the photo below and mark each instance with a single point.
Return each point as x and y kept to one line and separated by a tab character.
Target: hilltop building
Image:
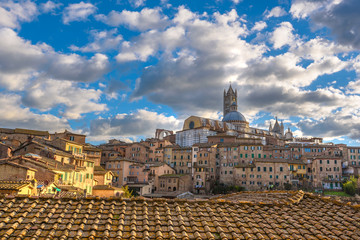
197	129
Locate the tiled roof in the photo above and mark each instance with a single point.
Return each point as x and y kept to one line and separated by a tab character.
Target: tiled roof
105	187
307	217
13	185
6	162
31	132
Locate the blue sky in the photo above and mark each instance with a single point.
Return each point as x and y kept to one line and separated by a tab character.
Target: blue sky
121	69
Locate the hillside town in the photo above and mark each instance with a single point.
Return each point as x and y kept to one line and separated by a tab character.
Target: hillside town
205	155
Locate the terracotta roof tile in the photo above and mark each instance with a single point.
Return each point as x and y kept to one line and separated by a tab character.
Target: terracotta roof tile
93	218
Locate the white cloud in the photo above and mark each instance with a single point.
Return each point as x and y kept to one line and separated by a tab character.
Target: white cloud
282	35
78	12
142	122
12	115
50	6
259	26
304	8
49	93
13	13
21	60
275	12
145	19
137	3
102	41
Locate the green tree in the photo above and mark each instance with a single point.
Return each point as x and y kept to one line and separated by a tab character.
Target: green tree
127	193
350	186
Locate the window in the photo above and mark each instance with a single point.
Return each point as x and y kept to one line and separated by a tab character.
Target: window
72	138
259	169
320	161
245	147
270	169
264	169
320	169
281	169
328	161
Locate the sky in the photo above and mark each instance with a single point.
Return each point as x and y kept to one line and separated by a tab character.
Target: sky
120	69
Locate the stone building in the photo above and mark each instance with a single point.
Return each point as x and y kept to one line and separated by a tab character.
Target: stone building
138	152
174	183
75	137
5	151
324	171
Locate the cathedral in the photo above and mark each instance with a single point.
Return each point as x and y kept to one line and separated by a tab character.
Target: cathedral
198	129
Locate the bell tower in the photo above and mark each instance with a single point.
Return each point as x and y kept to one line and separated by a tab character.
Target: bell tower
230	97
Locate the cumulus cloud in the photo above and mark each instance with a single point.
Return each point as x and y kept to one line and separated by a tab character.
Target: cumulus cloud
78	12
13	13
12	115
142	122
102	41
282	35
275	12
334	126
259	26
145	19
50	6
47	78
49	93
20	61
137	3
340	16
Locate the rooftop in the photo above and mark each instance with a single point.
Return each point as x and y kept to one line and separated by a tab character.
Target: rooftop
13	185
307	216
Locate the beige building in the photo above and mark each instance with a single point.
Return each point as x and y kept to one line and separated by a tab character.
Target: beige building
75	137
205	168
181	160
19	187
157	169
138	152
107	191
127	171
93	154
262	173
14	171
324	172
177	183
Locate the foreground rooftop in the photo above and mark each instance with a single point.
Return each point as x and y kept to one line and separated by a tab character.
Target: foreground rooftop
296	215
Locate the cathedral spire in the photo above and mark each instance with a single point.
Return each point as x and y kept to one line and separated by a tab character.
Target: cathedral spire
230	100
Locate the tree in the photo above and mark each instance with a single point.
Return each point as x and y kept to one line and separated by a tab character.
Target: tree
127	192
350	186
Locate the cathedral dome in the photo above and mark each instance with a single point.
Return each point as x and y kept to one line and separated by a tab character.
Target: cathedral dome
234	116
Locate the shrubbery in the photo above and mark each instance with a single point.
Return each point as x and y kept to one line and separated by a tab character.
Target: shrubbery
350	186
224	189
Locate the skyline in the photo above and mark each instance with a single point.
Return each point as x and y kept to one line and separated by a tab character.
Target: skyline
121	69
